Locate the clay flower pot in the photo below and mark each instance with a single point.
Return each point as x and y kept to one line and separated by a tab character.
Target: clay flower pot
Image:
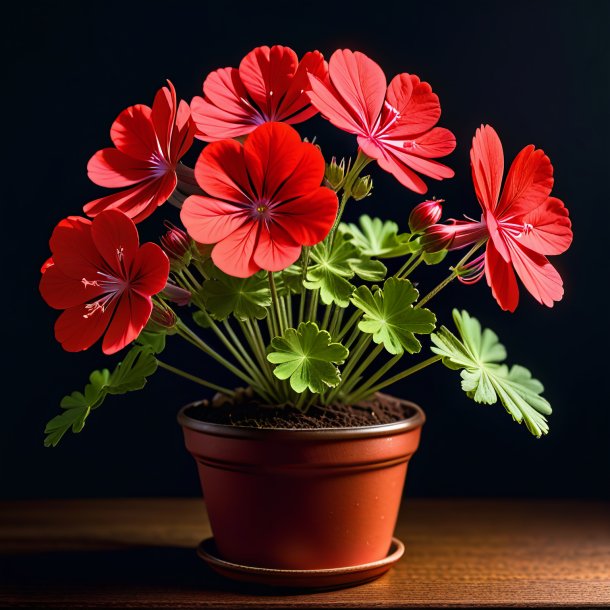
288	499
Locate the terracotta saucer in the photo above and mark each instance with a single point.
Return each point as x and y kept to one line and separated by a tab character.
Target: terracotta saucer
300	579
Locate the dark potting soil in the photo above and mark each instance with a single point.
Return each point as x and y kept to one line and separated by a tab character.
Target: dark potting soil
245	410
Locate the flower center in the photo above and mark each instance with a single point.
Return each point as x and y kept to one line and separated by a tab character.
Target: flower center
112	286
159	165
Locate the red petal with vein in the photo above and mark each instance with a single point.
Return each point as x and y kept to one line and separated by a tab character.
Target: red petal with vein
309	218
528	183
112	168
276	249
62	292
501	279
130	317
214	124
234	254
295	106
550	231
209	220
437	142
138	202
417	105
116	238
163	116
360	82
487	162
220	171
133	133
266	74
73	249
540	278
306	176
77	333
327	101
149	270
271	154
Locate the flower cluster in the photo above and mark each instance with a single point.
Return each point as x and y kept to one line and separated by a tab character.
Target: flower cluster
264	261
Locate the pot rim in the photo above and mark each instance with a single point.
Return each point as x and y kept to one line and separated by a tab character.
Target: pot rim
413	422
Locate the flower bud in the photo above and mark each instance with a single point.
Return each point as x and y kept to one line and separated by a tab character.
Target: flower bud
425	215
362	188
175	294
177	245
335	173
437	238
162	320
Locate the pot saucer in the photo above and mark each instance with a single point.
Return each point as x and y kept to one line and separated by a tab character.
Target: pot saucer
332	578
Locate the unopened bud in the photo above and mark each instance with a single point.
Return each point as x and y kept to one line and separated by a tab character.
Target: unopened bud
425	215
437	238
362	188
175	294
335	173
177	245
162	320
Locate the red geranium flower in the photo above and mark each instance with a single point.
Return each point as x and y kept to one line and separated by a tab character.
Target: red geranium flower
103	279
149	143
523	223
265	200
269	85
394	125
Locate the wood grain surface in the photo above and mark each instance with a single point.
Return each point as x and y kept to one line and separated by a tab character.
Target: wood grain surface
460	553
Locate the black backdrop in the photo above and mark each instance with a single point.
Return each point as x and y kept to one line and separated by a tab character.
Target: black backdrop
537	71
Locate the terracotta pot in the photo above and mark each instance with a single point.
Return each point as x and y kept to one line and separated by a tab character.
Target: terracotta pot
302	499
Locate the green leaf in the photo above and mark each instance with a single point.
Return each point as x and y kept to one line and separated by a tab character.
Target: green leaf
375	237
245	298
390	317
290	280
201	318
154	340
129	375
331	268
480	355
433	258
307	357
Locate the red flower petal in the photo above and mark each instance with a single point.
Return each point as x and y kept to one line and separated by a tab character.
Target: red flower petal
150	270
360	82
309	218
272	153
528	183
487	162
234	254
138	202
417	105
333	108
549	230
62	292
112	168
267	74
276	249
133	134
74	252
221	172
501	279
210	220
116	238
183	133
305	177
130	317
77	333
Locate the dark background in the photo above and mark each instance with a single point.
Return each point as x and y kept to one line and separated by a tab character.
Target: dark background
537	71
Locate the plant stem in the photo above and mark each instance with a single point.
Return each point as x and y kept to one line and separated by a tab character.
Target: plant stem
408	262
336	320
203	382
352	361
363	392
406	373
277	317
451	276
353	319
326	317
355	376
313	305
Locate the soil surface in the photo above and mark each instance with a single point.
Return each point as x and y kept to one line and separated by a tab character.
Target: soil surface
245	410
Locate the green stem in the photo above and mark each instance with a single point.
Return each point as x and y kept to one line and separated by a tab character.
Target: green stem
353	319
363	391
355	376
408	262
352	361
406	373
203	382
277	317
313	305
336	320
451	276
326	317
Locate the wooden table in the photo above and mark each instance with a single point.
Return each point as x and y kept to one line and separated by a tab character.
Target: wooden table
140	553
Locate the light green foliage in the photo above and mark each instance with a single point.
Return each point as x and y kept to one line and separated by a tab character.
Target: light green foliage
307	357
154	340
479	355
390	317
290	280
331	268
245	298
378	238
129	375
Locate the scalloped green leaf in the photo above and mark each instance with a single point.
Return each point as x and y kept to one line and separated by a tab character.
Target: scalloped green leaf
390	317
375	237
479	355
308	357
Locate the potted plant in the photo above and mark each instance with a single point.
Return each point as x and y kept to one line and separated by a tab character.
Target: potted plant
303	462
